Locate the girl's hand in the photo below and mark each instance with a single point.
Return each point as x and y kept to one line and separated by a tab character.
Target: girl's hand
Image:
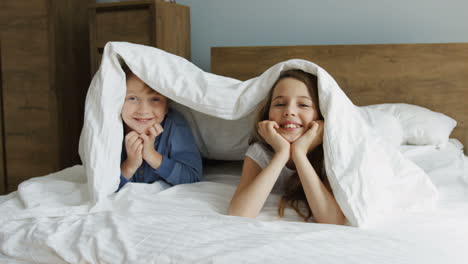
148	140
312	138
134	147
268	130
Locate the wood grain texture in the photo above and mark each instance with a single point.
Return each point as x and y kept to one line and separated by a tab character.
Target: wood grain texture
2	149
26	84
172	18
45	74
122	25
430	75
153	23
70	72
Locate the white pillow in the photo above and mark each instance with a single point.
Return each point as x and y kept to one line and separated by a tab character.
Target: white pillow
384	125
421	126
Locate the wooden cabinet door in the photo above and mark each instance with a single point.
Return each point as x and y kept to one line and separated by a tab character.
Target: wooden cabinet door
2	157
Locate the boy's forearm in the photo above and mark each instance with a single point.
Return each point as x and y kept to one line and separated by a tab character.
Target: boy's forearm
181	169
127	171
154	160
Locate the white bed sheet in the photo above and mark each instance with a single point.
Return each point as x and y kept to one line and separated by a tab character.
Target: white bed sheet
187	223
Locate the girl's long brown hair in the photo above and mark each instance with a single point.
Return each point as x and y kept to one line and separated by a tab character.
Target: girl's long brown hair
294	194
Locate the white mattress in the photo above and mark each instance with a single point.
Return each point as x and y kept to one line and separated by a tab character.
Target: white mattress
187	223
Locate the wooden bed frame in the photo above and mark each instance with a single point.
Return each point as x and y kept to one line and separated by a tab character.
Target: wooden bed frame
431	75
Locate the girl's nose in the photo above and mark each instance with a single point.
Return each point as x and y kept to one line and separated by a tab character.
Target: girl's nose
290	111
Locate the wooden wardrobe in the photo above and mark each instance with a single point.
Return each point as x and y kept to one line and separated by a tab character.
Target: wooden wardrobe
148	22
44	72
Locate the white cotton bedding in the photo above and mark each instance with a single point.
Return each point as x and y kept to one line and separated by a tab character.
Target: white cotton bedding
413	214
371	180
187	223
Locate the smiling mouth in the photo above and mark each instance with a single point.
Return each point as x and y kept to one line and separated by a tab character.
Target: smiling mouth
143	120
291	126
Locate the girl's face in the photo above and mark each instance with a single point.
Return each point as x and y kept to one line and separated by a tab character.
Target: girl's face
143	106
292	108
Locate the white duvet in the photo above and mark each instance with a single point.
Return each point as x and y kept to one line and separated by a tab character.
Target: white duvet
370	180
74	216
187	224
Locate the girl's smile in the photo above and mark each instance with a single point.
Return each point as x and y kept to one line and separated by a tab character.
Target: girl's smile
292	108
290	125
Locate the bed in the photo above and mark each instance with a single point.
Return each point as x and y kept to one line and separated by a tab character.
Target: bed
51	220
430	75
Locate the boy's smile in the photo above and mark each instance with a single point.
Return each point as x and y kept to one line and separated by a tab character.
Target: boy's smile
143	106
143	120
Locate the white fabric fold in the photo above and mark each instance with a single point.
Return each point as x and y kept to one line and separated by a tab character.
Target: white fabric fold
370	180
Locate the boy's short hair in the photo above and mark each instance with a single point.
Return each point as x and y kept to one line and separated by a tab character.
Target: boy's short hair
129	73
127	70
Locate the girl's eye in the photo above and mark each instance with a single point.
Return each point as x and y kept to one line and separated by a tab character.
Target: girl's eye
304	105
155	100
131	98
279	104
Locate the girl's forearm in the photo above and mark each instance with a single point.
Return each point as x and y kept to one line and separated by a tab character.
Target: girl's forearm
322	203
250	201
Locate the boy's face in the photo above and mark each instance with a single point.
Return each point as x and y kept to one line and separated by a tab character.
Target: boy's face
143	106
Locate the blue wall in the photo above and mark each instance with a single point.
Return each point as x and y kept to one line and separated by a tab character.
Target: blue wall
216	23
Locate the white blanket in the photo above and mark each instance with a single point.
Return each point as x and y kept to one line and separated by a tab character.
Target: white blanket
370	180
58	219
187	224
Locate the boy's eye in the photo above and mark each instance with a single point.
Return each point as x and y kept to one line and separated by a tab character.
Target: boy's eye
304	105
155	99
131	98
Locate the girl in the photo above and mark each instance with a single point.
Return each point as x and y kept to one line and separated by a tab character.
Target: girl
286	154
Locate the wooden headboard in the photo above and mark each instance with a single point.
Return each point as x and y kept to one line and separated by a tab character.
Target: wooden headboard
431	75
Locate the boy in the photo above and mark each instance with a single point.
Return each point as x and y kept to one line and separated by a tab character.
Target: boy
158	143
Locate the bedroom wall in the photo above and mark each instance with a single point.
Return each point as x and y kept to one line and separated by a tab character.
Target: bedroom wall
312	22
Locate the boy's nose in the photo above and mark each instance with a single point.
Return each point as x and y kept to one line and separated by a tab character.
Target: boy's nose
143	107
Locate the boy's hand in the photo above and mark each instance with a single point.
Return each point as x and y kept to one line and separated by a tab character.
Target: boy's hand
312	138
268	130
148	140
134	147
154	131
